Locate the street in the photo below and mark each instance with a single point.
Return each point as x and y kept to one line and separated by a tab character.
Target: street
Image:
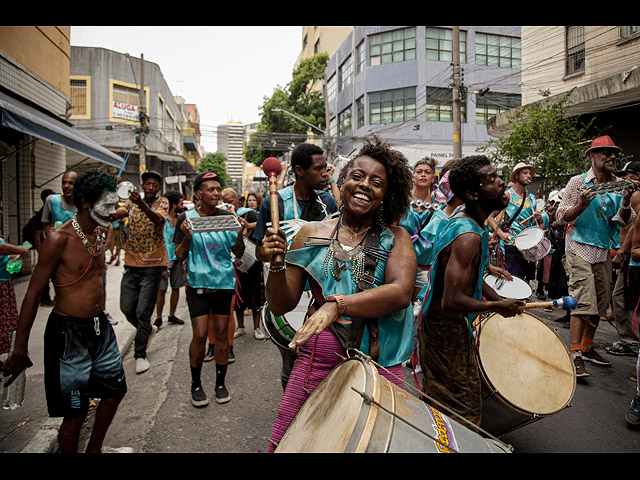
156	415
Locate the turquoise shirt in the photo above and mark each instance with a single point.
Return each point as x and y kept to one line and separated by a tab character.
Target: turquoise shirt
58	213
449	231
594	226
168	233
395	329
209	262
4	274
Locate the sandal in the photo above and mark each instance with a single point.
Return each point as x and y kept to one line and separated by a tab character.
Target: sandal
621	349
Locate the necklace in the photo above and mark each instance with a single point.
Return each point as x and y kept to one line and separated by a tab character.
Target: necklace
95	249
354	235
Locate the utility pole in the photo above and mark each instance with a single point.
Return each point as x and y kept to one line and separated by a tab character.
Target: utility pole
457	126
143	121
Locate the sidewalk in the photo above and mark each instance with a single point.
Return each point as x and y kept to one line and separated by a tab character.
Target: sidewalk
29	429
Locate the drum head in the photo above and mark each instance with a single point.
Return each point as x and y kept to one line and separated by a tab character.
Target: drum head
124	189
516	288
526	363
529	237
329	418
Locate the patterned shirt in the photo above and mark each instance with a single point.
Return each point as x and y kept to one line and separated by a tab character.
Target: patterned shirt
571	198
145	245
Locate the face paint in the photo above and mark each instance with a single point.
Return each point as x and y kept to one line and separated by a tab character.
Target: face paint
104	208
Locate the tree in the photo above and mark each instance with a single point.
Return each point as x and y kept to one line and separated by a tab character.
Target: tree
216	163
278	131
543	135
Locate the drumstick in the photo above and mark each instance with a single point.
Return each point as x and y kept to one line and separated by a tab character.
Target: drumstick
272	168
566	303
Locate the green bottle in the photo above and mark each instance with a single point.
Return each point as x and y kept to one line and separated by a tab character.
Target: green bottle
14	265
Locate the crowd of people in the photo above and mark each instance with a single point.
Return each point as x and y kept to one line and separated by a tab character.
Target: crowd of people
387	260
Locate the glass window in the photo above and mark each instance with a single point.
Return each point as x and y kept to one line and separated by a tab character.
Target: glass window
392	106
440	105
493	103
439	44
498	51
393	46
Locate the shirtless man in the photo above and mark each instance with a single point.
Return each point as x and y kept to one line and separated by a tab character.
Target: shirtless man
82	359
455	291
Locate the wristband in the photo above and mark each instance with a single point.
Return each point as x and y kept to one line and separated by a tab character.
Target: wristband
340	301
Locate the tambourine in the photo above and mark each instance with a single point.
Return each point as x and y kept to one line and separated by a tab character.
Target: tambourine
124	190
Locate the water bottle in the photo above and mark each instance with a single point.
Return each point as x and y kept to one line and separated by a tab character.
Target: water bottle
14	264
13	395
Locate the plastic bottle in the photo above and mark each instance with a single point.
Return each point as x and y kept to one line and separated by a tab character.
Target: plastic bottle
14	264
13	395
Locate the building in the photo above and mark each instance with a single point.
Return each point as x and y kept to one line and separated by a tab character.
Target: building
38	143
106	106
396	82
600	64
231	140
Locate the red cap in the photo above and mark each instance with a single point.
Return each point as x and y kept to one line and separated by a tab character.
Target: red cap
602	142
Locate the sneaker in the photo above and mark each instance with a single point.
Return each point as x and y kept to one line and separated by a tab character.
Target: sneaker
175	320
209	355
591	355
142	365
231	358
110	318
632	416
621	349
154	330
239	332
158	322
579	365
258	334
222	395
117	450
198	397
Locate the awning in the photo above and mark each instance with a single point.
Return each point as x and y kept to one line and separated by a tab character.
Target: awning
31	121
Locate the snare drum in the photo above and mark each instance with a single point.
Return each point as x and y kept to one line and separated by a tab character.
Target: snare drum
516	288
527	372
283	328
124	189
336	418
533	244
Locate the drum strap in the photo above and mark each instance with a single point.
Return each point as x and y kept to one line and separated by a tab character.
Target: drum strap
353	337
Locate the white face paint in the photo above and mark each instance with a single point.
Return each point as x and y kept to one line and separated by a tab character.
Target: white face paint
104	208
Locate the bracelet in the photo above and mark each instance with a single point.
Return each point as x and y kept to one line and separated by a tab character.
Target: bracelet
277	269
332	181
340	301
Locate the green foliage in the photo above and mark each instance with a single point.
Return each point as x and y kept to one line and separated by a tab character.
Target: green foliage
278	131
543	135
216	163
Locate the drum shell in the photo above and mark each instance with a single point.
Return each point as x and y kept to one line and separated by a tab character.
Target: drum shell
337	419
538	249
526	370
281	329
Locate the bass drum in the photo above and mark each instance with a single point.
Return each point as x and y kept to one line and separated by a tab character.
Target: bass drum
338	418
526	369
281	329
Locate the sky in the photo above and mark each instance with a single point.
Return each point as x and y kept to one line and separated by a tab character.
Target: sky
225	70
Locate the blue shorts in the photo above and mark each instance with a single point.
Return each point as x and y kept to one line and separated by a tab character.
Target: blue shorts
81	361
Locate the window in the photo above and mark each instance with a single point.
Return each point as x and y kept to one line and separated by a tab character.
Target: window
360	58
331	89
491	104
625	32
394	46
345	122
439	44
440	105
498	51
360	112
575	50
392	106
80	88
125	102
345	73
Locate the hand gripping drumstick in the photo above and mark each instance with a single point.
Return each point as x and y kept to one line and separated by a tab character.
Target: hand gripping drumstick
272	168
566	303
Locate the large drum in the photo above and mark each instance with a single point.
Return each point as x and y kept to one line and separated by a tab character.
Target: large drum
338	417
533	244
516	288
281	329
527	372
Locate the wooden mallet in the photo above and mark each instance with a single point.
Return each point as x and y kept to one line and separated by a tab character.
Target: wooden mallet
566	303
272	168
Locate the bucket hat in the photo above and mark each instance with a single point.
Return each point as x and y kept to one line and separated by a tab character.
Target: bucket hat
520	166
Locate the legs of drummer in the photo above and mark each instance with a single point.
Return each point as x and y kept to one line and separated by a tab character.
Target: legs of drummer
590	284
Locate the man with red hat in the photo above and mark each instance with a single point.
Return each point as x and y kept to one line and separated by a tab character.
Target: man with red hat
592	220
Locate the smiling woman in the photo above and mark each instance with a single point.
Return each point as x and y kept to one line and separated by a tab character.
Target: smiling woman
361	269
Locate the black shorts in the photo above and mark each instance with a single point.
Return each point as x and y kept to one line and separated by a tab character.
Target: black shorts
81	361
202	302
